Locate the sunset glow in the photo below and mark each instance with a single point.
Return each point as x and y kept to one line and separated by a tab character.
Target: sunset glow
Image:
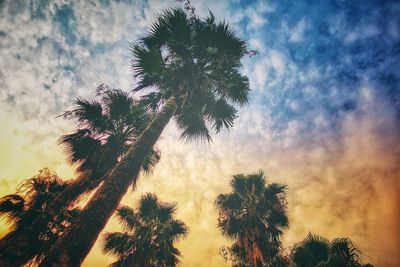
323	116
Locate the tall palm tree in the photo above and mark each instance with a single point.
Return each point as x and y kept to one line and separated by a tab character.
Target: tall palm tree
192	65
317	251
20	209
106	127
150	233
254	216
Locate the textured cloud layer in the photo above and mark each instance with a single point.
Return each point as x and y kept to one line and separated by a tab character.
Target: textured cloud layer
323	117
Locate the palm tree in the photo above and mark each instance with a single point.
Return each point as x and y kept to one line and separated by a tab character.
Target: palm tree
150	233
106	128
311	251
192	65
317	251
20	209
254	216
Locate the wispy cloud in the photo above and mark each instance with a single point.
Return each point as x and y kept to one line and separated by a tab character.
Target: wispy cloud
323	116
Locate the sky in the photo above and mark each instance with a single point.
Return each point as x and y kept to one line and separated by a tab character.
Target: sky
323	117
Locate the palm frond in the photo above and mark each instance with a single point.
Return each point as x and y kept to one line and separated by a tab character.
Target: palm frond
89	113
229	201
118	244
151	100
236	88
166	211
147	66
80	147
228	42
345	249
127	217
148	205
151	160
118	102
178	230
221	114
278	218
192	126
11	207
238	183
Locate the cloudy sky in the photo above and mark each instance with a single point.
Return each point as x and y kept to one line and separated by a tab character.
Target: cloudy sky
323	117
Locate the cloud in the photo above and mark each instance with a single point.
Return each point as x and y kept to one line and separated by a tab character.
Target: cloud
323	115
298	32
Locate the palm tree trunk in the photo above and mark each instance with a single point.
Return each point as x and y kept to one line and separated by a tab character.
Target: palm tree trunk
17	253
72	192
76	242
254	251
10	254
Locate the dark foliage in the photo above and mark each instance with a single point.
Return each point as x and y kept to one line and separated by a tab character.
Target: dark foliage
150	233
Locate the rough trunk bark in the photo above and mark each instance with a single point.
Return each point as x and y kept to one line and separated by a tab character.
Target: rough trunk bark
254	252
76	242
85	184
11	255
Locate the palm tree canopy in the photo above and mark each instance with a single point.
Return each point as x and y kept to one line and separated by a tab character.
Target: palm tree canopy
318	251
252	204
196	61
254	216
106	128
31	198
29	203
150	232
311	251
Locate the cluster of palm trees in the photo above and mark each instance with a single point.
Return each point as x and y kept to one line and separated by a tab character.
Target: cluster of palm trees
253	216
187	69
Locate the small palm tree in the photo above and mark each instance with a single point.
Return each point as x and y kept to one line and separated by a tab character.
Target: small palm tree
254	216
150	233
317	251
192	66
20	209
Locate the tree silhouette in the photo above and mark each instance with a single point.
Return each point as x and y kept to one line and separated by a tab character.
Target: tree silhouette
192	66
150	233
254	216
106	127
23	207
317	251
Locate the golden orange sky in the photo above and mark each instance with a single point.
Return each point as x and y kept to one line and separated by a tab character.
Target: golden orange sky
342	188
323	116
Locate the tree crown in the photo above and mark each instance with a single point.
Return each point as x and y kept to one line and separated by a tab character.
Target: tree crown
197	61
